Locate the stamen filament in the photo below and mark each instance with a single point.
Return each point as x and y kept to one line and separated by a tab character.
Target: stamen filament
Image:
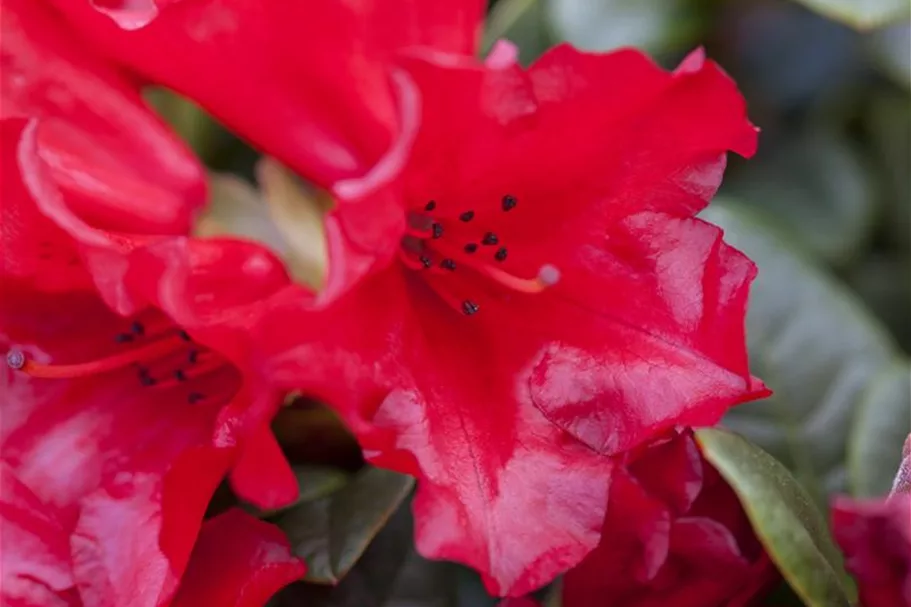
104	365
523	285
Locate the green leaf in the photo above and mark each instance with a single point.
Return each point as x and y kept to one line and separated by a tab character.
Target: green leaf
371	582
314	482
783	516
813	343
881	424
331	533
817	187
861	14
888	122
654	25
522	22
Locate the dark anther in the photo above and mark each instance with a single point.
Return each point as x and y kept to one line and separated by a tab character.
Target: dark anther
184	335
437	229
192	356
145	379
122	338
490	239
469	307
448	264
509	202
467	216
501	254
425	261
430	205
194	397
471	247
179	375
137	328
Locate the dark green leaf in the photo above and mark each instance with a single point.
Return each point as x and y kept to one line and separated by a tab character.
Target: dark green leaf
889	125
813	344
881	424
817	188
314	482
787	523
861	14
332	532
371	581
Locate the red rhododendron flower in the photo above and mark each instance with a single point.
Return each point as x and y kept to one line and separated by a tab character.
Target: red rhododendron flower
92	178
121	426
253	559
675	535
518	284
875	536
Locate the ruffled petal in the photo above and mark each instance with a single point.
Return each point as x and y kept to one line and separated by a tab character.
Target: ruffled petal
256	66
238	561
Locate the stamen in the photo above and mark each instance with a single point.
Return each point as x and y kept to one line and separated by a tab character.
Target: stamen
17	360
184	335
431	205
448	264
179	375
425	261
471	247
437	229
509	202
490	239
192	356
466	216
501	254
469	307
137	328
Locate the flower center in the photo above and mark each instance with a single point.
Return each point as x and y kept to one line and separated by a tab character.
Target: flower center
440	247
160	354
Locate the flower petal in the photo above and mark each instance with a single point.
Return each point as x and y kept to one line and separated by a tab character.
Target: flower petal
238	561
118	165
129	469
255	66
35	560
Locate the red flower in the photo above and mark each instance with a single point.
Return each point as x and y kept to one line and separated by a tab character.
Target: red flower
94	178
120	426
875	536
253	559
519	286
532	309
292	77
675	535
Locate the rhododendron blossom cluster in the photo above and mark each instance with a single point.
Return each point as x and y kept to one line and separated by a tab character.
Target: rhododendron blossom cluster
520	309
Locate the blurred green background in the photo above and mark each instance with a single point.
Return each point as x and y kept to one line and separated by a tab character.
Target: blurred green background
824	209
